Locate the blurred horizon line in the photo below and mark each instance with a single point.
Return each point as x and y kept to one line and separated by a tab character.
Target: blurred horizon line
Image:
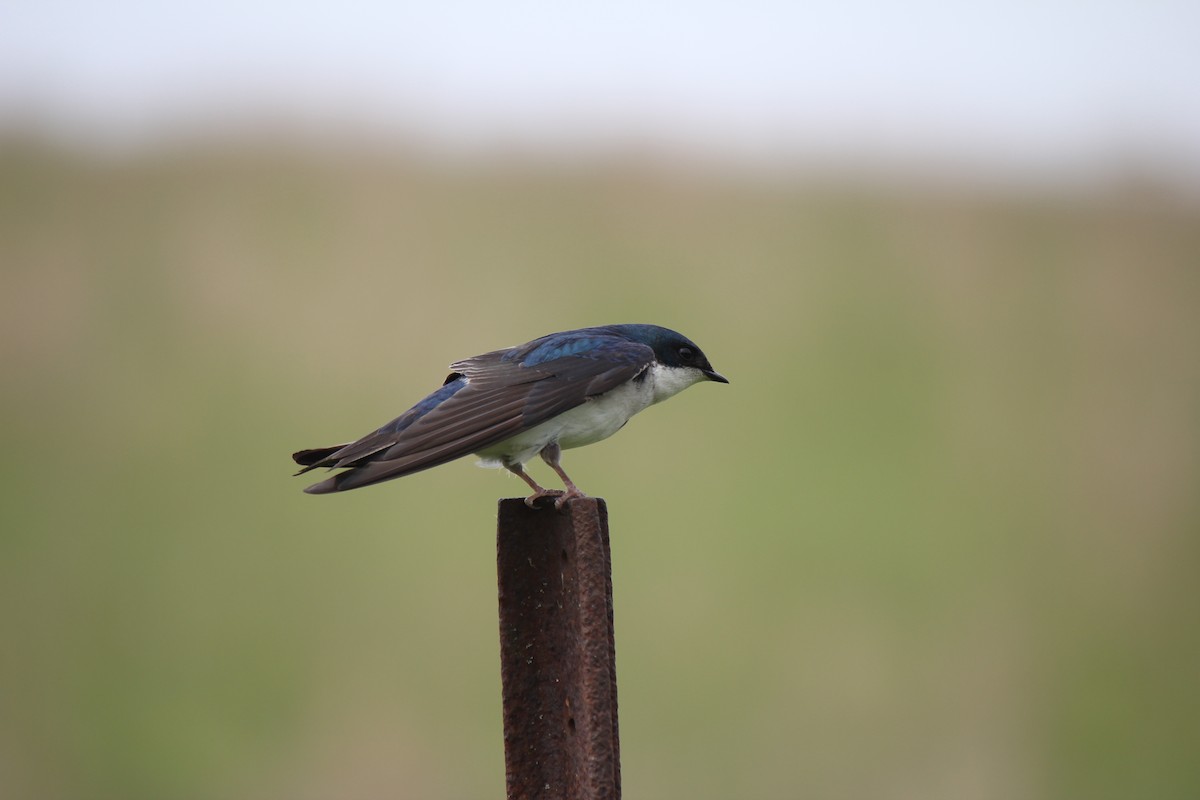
1156	172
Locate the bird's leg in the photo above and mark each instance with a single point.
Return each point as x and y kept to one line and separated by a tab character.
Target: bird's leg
538	491
550	454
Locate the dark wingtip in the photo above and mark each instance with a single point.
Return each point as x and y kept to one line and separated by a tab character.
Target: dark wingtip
327	486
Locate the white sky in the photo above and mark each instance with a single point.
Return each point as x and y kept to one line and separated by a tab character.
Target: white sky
1055	84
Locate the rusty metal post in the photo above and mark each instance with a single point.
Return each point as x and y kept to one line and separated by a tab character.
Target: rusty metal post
557	657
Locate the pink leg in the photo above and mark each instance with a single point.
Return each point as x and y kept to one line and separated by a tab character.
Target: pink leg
538	491
550	454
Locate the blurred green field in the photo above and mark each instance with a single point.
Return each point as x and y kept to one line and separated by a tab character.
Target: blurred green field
938	538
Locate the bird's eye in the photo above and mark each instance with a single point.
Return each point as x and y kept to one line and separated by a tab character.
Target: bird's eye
686	353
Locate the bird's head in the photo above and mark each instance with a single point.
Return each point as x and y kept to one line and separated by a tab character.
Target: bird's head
676	354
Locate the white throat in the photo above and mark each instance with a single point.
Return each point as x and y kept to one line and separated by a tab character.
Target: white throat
670	381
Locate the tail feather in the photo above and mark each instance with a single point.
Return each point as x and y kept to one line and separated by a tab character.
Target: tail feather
316	457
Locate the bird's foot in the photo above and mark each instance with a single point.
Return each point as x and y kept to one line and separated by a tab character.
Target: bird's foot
532	500
561	497
566	497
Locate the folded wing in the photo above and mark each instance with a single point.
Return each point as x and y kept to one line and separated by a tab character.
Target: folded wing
487	399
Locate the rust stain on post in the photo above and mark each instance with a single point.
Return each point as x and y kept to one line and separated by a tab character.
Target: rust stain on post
557	656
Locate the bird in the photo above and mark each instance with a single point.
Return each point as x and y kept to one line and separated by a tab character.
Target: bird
557	392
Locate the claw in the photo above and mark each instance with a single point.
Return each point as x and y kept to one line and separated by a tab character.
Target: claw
531	501
567	497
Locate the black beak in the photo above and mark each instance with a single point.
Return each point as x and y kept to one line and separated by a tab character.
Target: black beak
713	375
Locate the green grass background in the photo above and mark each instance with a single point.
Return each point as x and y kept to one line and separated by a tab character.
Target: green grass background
938	538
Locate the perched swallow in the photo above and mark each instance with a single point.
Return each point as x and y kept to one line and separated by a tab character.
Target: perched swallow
561	391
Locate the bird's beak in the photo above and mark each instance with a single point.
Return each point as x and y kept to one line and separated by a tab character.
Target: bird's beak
713	375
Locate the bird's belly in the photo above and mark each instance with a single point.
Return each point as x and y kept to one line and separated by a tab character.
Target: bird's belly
586	424
598	418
